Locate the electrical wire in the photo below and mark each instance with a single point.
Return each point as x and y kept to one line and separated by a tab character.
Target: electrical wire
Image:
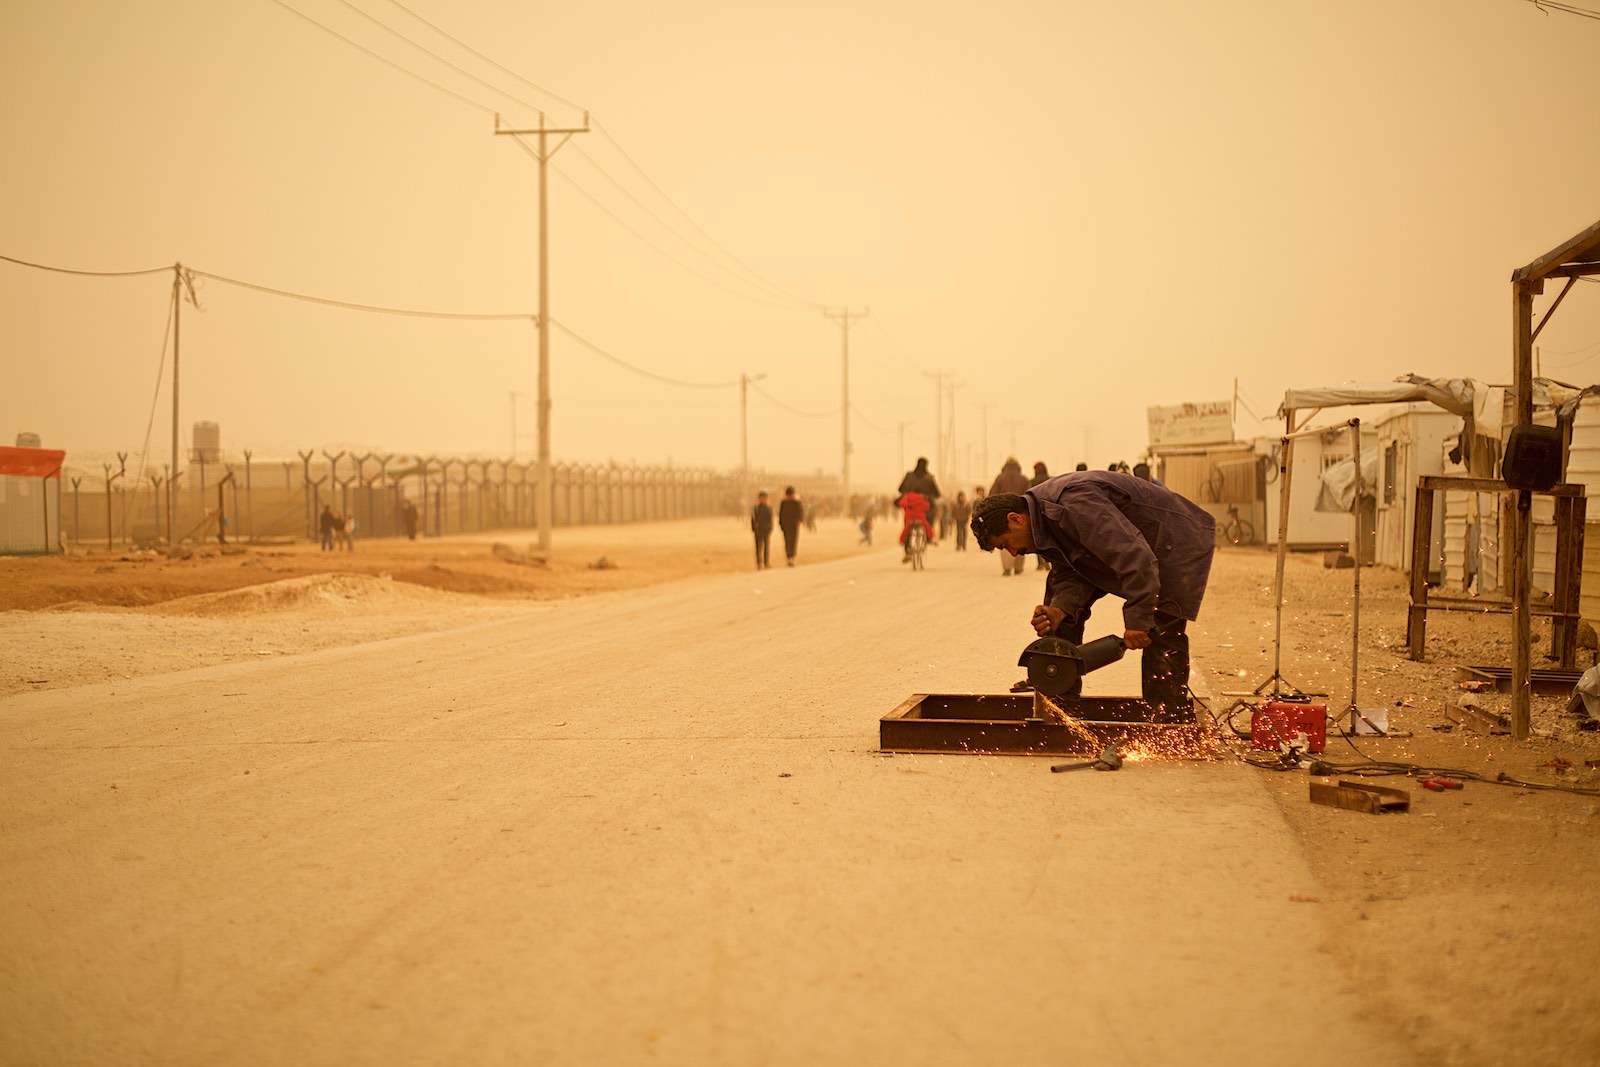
868	422
649	243
411	312
793	411
466	47
597	350
386	60
391	31
666	226
888	344
150	423
88	273
351	306
698	228
1567	8
1383	768
527	104
753	274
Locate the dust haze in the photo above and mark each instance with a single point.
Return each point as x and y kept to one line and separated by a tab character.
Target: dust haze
1054	215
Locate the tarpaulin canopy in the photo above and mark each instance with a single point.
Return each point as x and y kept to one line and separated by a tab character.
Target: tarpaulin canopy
1452	394
31	462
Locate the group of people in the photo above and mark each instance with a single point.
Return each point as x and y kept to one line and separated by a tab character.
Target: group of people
791	516
338	531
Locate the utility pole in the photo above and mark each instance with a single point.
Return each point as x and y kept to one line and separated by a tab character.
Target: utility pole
544	497
172	477
180	282
903	425
514	396
744	423
940	438
954	454
844	315
985	469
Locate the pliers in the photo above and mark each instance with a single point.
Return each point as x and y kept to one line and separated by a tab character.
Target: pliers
1439	785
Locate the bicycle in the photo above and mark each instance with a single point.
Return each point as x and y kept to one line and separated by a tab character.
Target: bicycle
1235	531
916	545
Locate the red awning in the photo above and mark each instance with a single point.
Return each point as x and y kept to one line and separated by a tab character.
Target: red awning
31	462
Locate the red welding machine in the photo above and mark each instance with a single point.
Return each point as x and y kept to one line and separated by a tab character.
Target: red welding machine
1287	720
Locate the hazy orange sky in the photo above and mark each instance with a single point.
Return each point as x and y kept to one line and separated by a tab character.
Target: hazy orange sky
1072	210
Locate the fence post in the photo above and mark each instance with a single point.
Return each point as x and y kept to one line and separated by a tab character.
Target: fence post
312	533
155	482
249	499
109	479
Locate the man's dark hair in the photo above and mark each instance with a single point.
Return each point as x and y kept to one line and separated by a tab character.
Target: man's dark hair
989	516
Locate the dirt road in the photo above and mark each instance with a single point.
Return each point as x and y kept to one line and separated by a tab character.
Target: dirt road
652	825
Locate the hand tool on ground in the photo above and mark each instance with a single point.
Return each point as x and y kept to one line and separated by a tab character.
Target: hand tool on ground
1439	785
1358	796
1109	760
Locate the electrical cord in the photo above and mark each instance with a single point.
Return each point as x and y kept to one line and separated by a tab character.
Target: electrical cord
1383	768
1374	768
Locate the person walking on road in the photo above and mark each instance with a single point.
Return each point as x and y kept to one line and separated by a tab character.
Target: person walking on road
791	513
1010	480
961	514
1107	533
1040	474
761	526
327	523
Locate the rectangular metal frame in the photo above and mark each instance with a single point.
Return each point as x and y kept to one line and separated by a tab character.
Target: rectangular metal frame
1553	681
1003	724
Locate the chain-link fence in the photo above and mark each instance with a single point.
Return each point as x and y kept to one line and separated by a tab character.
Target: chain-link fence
267	500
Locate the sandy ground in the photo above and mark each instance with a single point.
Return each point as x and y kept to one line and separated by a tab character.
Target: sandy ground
420	803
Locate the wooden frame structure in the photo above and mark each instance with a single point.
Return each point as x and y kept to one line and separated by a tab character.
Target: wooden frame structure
1575	258
1570	508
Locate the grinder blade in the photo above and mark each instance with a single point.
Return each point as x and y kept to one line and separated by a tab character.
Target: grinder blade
1054	665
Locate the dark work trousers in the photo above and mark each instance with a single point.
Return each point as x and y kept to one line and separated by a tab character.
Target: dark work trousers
1163	665
763	549
791	538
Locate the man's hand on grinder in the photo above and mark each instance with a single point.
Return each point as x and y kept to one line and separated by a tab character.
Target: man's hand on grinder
1046	619
1136	638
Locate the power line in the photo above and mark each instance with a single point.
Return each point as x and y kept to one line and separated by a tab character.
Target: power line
466	47
870	424
597	350
386	60
524	103
793	411
652	245
350	306
698	228
604	132
668	227
391	31
88	273
1573	352
888	344
1567	8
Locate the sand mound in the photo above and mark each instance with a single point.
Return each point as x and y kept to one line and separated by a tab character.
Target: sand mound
324	595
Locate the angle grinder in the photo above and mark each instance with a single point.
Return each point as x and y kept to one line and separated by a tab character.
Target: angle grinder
1056	666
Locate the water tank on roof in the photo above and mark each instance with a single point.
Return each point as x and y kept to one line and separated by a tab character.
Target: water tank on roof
207	443
27	440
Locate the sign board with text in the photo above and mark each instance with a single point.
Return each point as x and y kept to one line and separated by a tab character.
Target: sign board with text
1207	423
